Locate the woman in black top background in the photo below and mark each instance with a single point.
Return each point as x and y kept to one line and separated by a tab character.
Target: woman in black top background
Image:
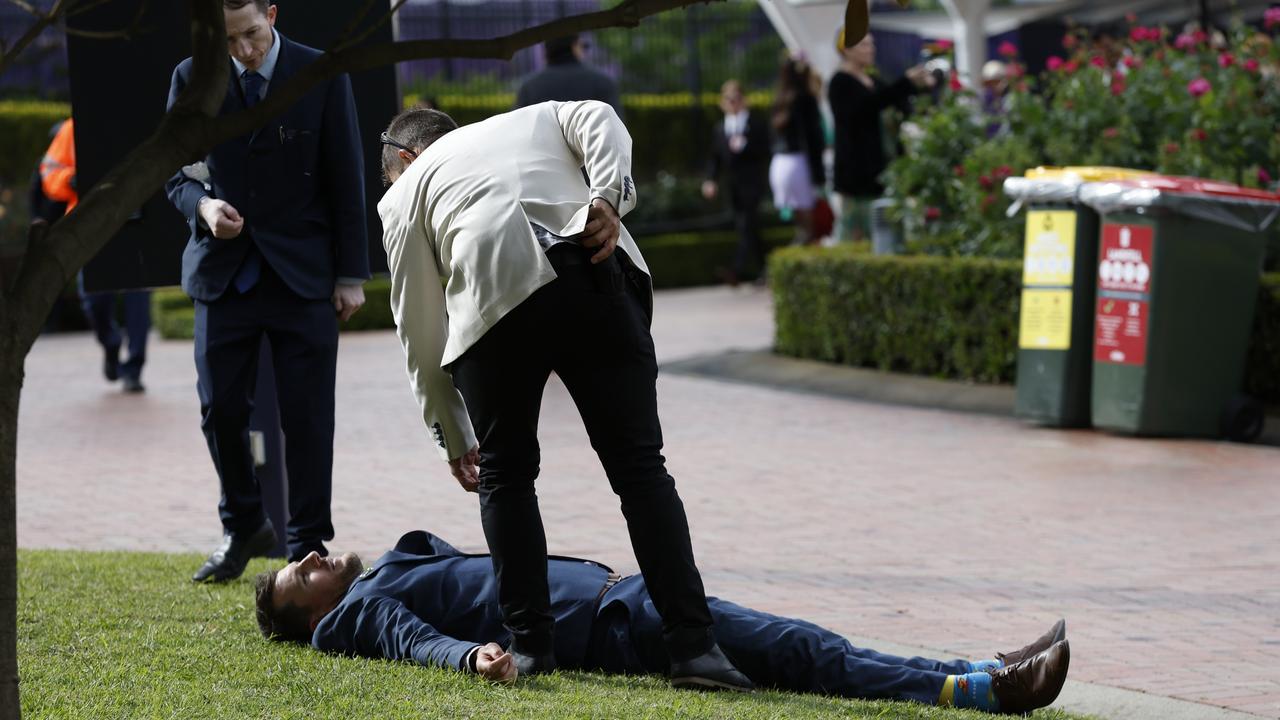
796	175
858	99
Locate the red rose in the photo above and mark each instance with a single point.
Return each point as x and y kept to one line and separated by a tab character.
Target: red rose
1199	87
1172	148
1069	41
1131	62
985	182
955	84
1071	66
1054	63
932	213
1252	65
1098	61
1007	49
1199	135
1264	177
959	171
1226	60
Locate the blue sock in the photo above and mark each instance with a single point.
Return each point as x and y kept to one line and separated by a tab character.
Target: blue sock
981	665
974	691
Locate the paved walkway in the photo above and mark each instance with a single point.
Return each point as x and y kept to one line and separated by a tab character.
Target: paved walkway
963	533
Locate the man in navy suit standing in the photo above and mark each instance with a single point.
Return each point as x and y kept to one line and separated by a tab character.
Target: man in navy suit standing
427	603
278	248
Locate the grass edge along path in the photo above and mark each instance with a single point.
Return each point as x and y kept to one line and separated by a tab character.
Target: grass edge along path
127	635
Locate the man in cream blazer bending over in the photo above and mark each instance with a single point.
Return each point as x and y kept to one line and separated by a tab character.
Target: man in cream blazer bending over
503	270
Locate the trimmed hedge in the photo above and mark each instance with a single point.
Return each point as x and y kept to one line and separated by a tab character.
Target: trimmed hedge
24	136
680	260
944	317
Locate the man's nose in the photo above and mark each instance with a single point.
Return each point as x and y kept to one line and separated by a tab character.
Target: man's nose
312	558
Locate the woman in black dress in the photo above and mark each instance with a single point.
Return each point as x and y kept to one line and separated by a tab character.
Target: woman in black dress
796	175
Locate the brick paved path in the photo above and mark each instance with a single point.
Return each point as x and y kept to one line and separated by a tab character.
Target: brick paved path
921	527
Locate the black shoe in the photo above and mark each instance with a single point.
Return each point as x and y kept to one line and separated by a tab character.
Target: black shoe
111	363
133	385
709	671
228	561
1033	683
1056	633
533	664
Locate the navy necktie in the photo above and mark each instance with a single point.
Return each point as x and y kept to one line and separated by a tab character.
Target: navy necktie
251	269
253	84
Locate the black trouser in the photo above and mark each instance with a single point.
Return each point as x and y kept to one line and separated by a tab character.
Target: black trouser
304	350
749	254
589	327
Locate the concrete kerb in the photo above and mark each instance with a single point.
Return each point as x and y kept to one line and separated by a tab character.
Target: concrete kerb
763	367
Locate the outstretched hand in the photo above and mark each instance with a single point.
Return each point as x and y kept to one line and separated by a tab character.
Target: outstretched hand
495	664
602	230
466	470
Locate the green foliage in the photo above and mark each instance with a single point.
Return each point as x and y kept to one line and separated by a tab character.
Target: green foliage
1173	105
126	635
24	136
945	317
676	260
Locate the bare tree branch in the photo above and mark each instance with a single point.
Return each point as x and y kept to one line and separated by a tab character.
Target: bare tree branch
371	29
128	31
43	21
354	22
191	128
31	9
84	7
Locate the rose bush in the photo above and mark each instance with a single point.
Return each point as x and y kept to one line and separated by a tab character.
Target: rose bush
1188	104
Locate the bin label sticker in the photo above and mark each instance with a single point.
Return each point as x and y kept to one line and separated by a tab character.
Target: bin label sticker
1120	333
1046	320
1050	248
1124	263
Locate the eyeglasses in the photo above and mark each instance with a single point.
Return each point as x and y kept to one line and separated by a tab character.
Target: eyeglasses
385	139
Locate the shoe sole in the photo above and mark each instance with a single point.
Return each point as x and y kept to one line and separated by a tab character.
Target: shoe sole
701	683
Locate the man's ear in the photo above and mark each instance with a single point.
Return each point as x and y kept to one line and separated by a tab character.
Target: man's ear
405	156
271	15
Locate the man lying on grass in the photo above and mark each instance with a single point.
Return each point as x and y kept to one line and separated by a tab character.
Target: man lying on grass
424	601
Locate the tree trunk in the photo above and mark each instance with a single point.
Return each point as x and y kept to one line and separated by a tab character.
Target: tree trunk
11	362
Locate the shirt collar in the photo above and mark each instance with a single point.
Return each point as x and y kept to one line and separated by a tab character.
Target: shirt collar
268	63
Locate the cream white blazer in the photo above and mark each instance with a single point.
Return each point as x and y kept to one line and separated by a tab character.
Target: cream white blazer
459	246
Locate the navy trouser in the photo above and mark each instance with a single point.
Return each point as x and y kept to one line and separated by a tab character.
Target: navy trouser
304	350
773	651
100	309
590	327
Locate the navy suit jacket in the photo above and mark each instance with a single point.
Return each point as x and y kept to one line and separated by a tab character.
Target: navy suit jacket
429	603
298	182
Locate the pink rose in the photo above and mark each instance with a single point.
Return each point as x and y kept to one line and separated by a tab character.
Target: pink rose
944	45
1252	65
1184	42
1098	61
1226	60
1054	63
1111	133
1071	66
1172	148
1199	87
1272	18
1264	177
1007	49
955	84
1131	62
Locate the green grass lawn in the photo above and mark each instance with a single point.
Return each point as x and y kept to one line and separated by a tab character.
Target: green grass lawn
126	635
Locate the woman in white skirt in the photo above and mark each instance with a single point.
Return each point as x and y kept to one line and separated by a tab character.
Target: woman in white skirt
796	174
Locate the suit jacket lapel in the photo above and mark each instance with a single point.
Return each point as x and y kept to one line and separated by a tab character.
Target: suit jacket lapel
284	70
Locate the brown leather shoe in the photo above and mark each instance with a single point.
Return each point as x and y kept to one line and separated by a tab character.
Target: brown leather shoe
1042	643
1034	682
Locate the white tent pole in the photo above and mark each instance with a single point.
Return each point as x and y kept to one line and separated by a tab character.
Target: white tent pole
969	19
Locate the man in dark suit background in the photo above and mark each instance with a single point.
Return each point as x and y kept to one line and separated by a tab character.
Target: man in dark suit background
278	248
740	150
567	77
427	603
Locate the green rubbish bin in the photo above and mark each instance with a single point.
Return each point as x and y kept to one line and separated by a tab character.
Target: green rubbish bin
1055	328
1179	261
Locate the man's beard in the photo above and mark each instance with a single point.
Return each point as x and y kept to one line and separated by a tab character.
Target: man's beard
351	567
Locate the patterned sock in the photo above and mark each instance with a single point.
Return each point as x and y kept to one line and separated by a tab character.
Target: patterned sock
969	691
981	665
